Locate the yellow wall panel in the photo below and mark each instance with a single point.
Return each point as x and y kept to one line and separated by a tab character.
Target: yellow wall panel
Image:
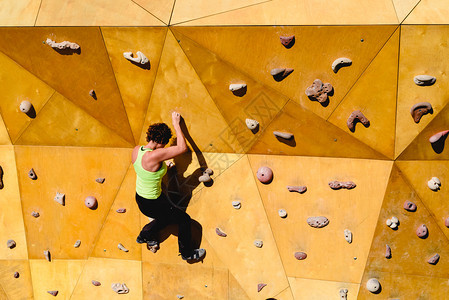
90	69
260	102
11	219
71	171
17	85
107	272
374	94
404	7
58	275
418	173
402	286
16	288
161	9
429	12
235	290
167	281
178	87
329	256
238	45
19	13
247	263
4	136
121	227
321	289
135	83
423	49
306	12
62	123
409	252
285	295
312	136
94	13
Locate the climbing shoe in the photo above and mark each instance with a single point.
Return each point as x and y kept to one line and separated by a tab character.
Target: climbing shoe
196	254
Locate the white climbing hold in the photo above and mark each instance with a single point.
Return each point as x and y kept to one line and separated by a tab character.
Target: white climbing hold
140	59
120	288
348	235
251	124
47	255
373	285
234	87
236	204
424	80
393	222
258	243
62	45
77	244
25	106
284	135
282	213
340	62
121	247
434	184
343	294
60	198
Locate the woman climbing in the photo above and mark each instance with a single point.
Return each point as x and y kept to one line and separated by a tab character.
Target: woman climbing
150	166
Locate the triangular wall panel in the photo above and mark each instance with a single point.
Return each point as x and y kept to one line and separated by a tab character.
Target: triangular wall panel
20	288
19	13
161	9
429	12
404	8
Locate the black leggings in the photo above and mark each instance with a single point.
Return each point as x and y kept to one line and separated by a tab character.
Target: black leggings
164	213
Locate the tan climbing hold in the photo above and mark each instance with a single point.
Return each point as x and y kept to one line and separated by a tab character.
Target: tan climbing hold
348	235
47	255
264	174
219	232
434	259
282	213
140	59
251	124
318	222
60	198
319	91
284	135
258	243
32	175
287	41
25	106
91	202
373	285
434	184
298	189
336	185
120	288
62	45
121	247
420	109
424	80
280	74
206	175
340	63
355	116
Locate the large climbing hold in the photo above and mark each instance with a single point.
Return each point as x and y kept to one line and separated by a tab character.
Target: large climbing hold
319	91
393	222
373	285
434	184
62	45
420	109
424	80
355	116
336	185
283	135
140	59
340	63
91	202
265	174
206	175
1	178
318	222
439	136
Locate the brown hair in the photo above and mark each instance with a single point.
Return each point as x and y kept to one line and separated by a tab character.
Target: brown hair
159	133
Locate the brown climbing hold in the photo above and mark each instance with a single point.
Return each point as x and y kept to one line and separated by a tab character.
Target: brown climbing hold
319	91
422	231
420	109
260	286
11	244
47	255
280	74
336	185
299	189
1	178
96	283
287	41
446	222
284	135
409	206
220	233
100	180
53	293
357	115
300	255
438	136
121	210
387	251
120	288
434	259
16	275
265	174
35	214
317	222
91	202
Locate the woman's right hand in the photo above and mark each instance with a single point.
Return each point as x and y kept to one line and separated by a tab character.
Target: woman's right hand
176	118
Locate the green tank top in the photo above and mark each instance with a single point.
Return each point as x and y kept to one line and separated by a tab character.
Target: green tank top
148	184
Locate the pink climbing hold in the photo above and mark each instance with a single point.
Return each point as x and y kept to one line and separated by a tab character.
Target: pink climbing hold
446	222
53	293
336	185
299	189
260	286
287	41
422	231
387	251
409	206
434	259
300	255
91	202
96	283
121	210
220	233
438	136
264	174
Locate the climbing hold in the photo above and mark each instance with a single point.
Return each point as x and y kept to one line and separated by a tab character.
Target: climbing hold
60	198
340	62
1	178
343	294
300	255
317	222
77	244
96	283
424	80
392	223
206	175
16	275
258	243
284	135
121	247
280	74
121	210
25	106
260	286
251	124
180	296
420	109
282	213
319	91
265	174
438	136
238	89
140	59
299	189
287	41
336	185
53	293
62	45
434	259
11	244
434	184
100	180
236	204
35	214
422	231
357	115
120	288
93	94
373	285
446	222
387	251
91	202
348	235
32	174
409	206
47	255
220	233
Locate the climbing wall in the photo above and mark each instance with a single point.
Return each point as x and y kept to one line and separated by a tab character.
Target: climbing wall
345	103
